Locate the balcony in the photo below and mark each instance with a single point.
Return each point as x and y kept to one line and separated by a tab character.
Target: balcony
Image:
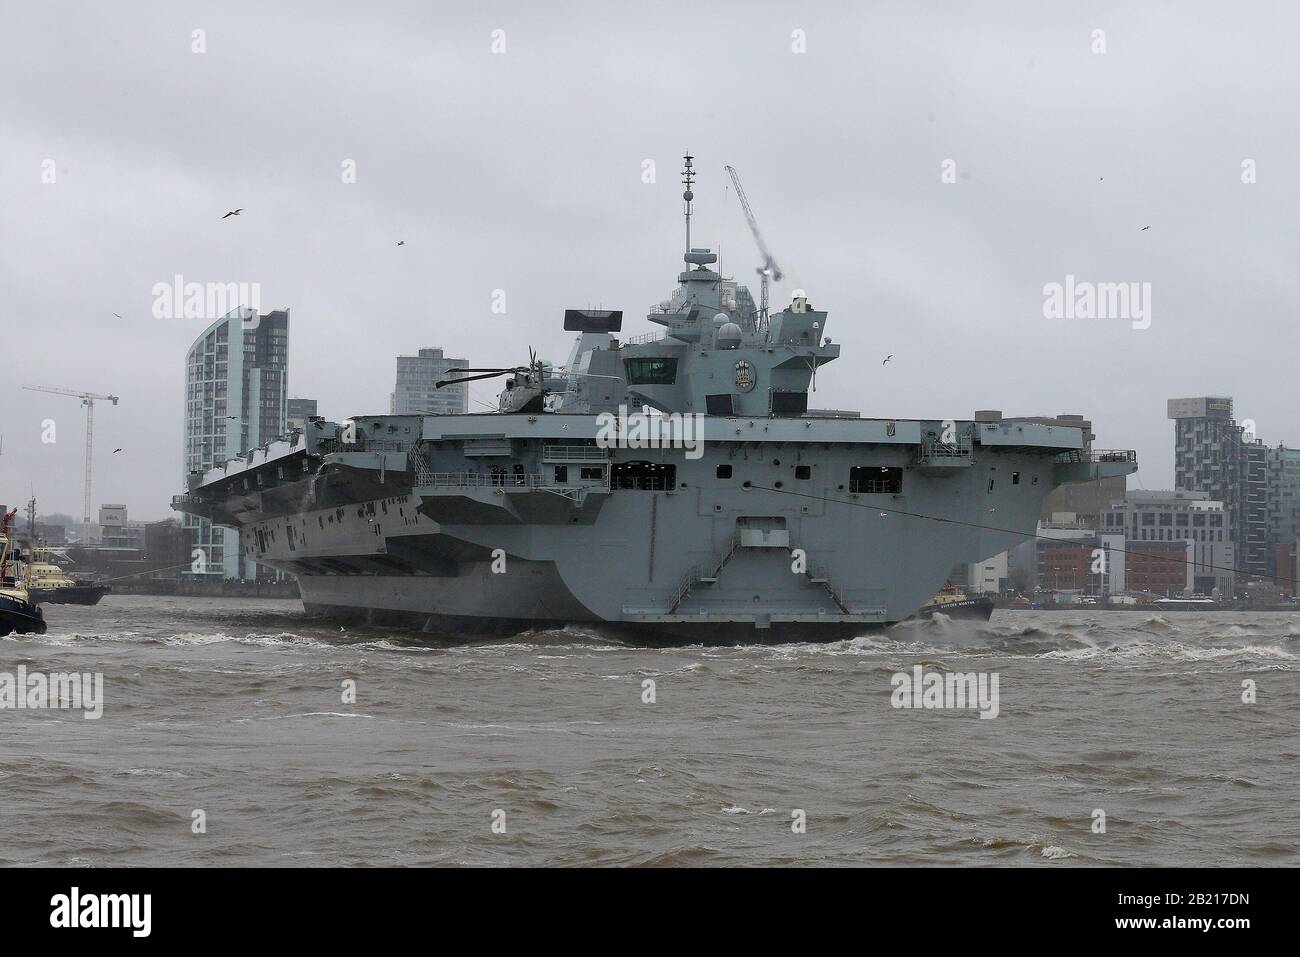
936	457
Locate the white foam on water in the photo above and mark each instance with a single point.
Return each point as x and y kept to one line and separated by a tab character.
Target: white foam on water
151	773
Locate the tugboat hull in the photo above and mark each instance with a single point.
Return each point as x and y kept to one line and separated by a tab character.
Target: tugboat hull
23	617
971	609
70	595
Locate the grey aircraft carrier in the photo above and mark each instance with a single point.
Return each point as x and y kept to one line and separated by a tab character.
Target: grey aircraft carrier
673	483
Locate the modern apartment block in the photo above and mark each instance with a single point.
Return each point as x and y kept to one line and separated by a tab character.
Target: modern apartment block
300	410
415	391
1212	455
1199	525
236	399
1282	481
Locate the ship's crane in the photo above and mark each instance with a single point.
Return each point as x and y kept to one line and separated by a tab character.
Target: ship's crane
88	400
769	271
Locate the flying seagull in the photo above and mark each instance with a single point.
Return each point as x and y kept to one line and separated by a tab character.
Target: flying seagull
233	212
115	451
118	315
887	358
1144	229
401	242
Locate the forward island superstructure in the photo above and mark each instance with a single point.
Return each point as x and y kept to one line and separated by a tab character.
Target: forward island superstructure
674	483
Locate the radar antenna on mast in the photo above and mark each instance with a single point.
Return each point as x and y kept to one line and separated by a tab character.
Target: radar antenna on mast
688	196
769	271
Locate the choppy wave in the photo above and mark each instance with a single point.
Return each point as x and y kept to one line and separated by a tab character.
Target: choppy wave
1099	637
1152	640
239	713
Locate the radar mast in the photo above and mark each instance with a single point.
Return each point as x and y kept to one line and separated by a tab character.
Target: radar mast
688	180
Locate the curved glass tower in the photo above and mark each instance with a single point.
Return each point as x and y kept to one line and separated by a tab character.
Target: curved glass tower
236	398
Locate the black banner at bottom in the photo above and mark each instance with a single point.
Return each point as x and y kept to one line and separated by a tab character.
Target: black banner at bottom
334	906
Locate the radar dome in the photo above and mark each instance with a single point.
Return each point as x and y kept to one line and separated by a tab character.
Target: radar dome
729	336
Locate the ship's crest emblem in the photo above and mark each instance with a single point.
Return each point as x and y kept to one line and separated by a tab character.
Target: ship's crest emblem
744	375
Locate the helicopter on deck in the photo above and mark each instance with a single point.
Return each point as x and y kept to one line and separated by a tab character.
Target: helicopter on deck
528	388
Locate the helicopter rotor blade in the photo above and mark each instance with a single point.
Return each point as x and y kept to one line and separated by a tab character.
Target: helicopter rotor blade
471	378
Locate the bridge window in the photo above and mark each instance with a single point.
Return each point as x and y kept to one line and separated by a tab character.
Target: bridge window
724	471
874	480
561	473
720	404
789	403
643	476
595	473
803	471
651	371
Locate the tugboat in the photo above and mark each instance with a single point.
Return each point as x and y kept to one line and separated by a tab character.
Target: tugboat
18	613
47	583
955	603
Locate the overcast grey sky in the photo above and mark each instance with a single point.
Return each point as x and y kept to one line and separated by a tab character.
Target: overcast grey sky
522	171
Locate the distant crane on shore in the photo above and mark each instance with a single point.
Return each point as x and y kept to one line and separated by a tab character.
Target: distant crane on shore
88	400
769	271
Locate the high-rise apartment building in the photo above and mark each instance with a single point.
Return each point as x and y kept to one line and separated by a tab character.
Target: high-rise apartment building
300	410
416	389
1283	486
236	399
1212	455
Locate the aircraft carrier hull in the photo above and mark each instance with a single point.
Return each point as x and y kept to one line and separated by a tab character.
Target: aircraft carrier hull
393	601
777	531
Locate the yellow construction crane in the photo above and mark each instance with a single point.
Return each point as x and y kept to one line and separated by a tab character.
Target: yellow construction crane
88	400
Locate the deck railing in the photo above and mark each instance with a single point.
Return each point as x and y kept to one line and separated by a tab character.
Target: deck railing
1097	455
644	337
574	453
933	449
